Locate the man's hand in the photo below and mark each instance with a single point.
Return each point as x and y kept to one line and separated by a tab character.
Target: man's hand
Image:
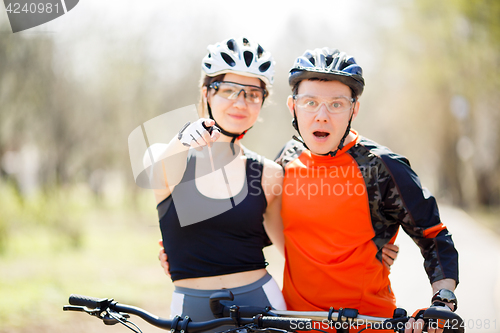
162	256
416	323
389	254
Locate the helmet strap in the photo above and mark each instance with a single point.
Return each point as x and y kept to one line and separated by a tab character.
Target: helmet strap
226	133
295	125
341	143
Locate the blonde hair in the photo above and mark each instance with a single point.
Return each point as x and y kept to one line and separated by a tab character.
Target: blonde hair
205	81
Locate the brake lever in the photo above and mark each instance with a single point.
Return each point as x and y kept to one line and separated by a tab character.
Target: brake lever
75	308
94	312
112	317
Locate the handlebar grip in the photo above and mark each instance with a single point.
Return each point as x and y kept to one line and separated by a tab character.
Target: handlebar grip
89	302
454	321
288	324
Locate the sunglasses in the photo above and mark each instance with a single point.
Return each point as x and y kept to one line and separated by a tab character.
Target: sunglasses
231	91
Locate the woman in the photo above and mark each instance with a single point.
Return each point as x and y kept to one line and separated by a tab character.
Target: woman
210	246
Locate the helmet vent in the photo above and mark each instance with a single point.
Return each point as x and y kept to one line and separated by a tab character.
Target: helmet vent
265	66
260	50
230	44
329	60
245	42
248	58
227	58
313	61
207	65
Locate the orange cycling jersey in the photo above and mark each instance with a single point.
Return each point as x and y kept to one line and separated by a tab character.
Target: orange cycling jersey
338	212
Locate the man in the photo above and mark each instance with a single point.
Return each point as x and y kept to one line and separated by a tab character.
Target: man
345	197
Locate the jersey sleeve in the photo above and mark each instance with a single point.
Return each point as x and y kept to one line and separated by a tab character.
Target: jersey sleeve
405	200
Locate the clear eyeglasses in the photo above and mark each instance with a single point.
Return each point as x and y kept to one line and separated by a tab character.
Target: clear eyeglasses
334	105
231	90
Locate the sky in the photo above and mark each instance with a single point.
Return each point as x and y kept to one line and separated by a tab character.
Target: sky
180	30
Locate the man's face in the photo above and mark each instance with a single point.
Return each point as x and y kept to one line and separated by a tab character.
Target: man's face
322	130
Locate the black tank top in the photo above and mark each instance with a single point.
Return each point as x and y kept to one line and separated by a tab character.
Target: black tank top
229	242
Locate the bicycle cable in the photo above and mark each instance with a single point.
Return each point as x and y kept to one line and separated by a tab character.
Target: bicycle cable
125	322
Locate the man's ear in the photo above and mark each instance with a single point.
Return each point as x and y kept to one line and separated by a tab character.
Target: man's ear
289	103
356	110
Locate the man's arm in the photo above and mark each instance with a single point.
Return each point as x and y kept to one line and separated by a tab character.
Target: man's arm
406	202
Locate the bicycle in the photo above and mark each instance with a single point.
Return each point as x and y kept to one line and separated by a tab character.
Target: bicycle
246	319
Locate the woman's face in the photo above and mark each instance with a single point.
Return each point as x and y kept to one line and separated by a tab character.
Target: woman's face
234	115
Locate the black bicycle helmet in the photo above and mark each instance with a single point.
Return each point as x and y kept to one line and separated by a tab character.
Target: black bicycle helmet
329	65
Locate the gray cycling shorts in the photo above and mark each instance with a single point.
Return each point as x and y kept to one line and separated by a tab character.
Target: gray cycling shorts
195	302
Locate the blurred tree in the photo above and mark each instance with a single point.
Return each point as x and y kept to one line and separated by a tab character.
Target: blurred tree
446	63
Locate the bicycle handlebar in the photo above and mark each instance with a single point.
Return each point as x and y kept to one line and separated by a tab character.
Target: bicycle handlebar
112	312
100	306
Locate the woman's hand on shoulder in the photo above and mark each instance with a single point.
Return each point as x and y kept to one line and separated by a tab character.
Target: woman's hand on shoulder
162	257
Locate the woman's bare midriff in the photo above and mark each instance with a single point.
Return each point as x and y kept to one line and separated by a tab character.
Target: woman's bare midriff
222	281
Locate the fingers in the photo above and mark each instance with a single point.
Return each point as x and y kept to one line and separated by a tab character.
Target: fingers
212	130
209	122
392	247
433	330
409	325
196	135
391	251
215	134
419	326
162	256
415	326
388	261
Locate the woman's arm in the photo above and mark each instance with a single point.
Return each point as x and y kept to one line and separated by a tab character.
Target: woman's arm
272	183
169	160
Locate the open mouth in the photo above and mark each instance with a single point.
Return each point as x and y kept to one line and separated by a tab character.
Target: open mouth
320	134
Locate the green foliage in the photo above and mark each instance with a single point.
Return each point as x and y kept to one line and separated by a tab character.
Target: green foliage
63	241
453	50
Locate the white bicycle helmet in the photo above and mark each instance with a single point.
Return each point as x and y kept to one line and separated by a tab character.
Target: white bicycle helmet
239	56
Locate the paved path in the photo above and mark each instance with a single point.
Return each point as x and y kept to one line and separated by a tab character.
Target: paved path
479	290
